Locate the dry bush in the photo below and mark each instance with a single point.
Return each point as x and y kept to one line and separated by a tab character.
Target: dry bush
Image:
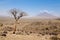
7	28
55	38
1	24
3	33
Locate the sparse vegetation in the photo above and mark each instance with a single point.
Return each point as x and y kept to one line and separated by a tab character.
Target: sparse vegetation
27	27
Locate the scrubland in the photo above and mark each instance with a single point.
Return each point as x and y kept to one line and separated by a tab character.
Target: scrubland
30	29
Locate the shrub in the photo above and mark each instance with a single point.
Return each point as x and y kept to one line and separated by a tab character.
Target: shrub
3	33
1	24
47	29
55	38
8	28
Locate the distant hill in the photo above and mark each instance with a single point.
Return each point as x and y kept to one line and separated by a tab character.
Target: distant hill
46	15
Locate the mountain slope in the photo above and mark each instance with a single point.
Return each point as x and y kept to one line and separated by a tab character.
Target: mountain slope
46	15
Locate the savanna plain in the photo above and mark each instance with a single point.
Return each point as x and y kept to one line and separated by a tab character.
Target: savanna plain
30	29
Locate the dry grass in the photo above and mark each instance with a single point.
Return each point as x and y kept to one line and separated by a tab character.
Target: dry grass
30	29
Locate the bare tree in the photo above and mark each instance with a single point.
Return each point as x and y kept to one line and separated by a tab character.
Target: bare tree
17	14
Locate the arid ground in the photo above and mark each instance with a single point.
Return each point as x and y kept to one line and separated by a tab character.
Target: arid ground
29	29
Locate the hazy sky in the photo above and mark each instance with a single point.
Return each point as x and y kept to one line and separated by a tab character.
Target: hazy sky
32	7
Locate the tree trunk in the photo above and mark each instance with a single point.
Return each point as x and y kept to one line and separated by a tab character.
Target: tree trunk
15	27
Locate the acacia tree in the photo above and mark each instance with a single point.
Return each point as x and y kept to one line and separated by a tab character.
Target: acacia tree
17	14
